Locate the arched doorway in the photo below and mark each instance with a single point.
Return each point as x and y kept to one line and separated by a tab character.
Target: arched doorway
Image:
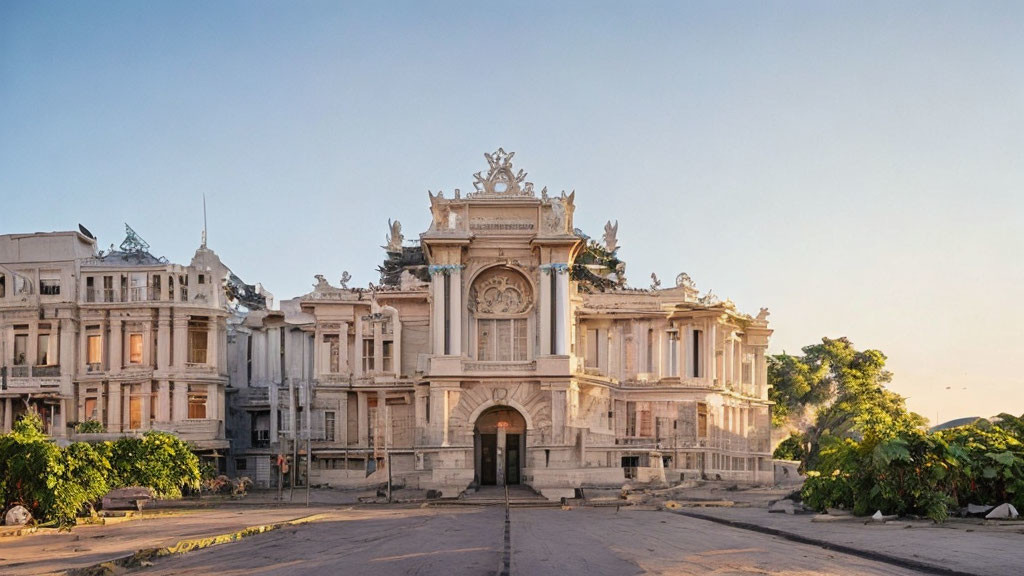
499	446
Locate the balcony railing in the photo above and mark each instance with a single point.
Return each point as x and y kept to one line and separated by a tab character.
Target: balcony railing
35	371
45	371
100	295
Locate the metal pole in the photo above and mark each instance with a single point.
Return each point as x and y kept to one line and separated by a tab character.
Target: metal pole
387	446
309	459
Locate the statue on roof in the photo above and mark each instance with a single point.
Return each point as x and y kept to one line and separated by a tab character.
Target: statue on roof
655	282
395	237
611	243
345	279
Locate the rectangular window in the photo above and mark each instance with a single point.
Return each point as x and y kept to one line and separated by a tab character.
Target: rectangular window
241	464
329	426
198	338
196	404
95	350
90	409
135	348
388	352
20	349
630	418
702	420
644	416
137	286
135	413
367	355
502	340
3	286
593	350
43	350
49	283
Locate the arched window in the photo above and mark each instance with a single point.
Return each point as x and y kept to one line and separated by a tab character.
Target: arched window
501	300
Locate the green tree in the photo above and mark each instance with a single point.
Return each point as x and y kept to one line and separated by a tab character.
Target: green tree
54	484
157	460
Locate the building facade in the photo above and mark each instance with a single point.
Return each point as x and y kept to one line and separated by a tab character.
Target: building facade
118	337
502	347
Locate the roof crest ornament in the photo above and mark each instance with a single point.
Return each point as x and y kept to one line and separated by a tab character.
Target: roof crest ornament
500	179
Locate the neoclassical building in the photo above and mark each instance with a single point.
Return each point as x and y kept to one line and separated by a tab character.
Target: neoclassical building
119	337
501	347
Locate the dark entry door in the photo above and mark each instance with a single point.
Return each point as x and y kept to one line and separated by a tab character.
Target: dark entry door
512	458
488	461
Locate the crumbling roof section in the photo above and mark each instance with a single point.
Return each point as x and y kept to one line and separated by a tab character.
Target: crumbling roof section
411	259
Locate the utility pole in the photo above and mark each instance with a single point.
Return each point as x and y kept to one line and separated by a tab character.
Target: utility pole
387	446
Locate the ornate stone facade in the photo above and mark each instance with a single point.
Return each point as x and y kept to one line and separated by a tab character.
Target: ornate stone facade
503	347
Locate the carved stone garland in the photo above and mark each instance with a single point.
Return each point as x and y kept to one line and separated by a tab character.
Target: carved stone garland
500	294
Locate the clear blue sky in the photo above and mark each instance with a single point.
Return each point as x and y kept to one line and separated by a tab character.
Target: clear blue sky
856	167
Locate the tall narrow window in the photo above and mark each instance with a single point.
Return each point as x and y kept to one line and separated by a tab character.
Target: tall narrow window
135	413
198	331
137	281
650	350
329	426
593	349
20	349
368	355
698	366
702	420
135	348
95	350
90	409
3	286
387	350
43	350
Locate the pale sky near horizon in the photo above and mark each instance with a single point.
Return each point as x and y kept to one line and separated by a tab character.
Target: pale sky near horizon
856	167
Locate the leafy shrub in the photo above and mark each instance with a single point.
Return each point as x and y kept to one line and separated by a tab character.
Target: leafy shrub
90	427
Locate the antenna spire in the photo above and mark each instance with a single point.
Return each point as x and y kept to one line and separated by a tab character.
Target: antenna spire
204	220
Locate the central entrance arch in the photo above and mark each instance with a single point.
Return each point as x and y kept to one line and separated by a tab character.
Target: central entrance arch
499	446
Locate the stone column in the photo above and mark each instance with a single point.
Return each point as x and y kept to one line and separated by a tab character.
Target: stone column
437	410
455	314
83	348
8	414
180	336
213	407
437	325
363	413
163	340
179	411
341	421
561	312
546	301
711	365
358	352
343	366
114	404
147	343
147	400
116	348
163	401
213	343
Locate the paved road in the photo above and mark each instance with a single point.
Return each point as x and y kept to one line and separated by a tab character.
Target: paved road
443	541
